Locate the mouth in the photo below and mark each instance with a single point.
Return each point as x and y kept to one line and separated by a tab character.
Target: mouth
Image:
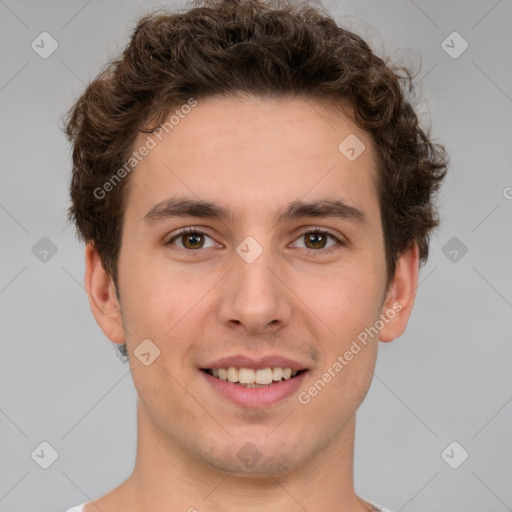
254	382
253	378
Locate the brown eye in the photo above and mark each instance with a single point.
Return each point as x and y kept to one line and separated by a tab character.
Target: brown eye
190	239
317	240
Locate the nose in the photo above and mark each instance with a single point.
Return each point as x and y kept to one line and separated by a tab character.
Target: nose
254	298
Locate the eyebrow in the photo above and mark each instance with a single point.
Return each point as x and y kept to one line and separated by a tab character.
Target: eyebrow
189	207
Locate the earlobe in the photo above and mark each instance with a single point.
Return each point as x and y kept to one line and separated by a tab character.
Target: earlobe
102	296
400	298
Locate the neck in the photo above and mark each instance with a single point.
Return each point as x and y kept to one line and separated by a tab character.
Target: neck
165	477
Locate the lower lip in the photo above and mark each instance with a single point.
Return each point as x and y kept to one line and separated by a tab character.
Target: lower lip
256	397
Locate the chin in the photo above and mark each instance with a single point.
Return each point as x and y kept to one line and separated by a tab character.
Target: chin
252	456
277	464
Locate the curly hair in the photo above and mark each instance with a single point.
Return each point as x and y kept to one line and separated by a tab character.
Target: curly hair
263	48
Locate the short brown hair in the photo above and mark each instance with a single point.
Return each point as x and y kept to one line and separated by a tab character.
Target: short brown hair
262	48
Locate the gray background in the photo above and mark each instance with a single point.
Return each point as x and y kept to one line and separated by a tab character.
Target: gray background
448	378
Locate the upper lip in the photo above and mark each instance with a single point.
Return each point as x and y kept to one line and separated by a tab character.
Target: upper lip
256	363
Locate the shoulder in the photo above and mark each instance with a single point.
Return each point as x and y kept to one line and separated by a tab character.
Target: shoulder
78	508
378	508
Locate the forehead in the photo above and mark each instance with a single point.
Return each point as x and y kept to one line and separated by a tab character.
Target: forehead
256	154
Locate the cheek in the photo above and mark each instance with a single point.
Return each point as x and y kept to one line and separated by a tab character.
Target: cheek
167	309
153	299
349	305
349	354
348	299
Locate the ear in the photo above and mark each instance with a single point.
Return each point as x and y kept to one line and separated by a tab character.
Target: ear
102	296
400	297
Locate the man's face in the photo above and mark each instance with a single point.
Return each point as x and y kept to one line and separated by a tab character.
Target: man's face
252	291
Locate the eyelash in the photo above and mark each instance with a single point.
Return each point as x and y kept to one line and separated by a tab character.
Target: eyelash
316	230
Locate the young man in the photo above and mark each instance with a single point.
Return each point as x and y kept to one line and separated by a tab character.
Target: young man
256	197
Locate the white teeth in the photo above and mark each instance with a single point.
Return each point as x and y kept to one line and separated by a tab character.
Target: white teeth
246	376
264	376
250	377
232	374
277	373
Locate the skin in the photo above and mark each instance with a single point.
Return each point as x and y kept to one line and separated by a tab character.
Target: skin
196	305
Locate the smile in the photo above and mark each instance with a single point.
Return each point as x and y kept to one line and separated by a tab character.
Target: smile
251	378
254	388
